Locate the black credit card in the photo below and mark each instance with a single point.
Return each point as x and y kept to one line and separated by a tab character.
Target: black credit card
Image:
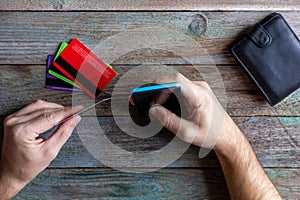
168	95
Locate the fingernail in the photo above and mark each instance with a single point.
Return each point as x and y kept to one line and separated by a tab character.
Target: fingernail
76	120
79	107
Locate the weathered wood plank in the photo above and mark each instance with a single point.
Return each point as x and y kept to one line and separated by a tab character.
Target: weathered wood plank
27	41
162	184
106	183
150	5
274	139
20	85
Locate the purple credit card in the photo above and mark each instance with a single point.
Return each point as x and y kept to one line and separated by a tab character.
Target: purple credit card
54	83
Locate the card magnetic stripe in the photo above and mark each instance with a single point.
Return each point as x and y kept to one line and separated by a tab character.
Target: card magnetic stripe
79	77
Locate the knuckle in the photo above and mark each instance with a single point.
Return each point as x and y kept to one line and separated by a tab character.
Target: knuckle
187	137
39	102
201	82
44	110
205	85
177	76
66	109
49	116
8	121
168	119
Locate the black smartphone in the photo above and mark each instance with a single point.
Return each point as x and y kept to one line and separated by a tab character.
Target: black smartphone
167	95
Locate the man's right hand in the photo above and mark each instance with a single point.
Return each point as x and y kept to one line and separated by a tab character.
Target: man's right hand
205	114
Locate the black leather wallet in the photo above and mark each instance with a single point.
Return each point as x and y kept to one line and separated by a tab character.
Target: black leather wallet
270	54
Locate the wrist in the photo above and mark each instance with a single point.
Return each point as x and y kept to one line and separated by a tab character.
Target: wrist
9	186
229	139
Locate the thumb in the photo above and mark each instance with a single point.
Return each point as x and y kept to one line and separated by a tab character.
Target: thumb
60	137
172	122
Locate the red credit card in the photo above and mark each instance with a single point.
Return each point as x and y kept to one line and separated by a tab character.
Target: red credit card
82	66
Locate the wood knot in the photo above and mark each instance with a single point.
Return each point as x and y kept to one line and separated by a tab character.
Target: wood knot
198	24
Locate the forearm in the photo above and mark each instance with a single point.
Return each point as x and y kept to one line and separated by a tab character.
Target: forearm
244	175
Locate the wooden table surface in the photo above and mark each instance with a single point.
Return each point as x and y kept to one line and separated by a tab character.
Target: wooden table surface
32	29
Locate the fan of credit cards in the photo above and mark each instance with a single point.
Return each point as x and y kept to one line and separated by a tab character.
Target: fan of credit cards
75	67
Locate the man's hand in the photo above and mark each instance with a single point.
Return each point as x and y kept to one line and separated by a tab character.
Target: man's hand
23	156
208	124
206	115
